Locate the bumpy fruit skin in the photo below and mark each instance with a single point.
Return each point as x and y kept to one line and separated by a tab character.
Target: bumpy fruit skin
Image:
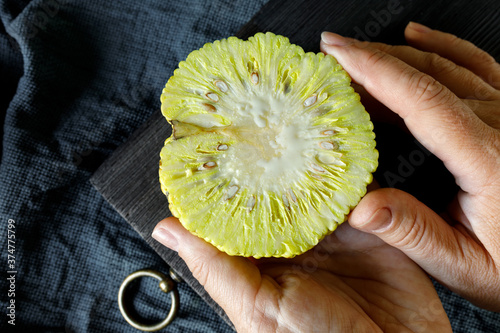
271	147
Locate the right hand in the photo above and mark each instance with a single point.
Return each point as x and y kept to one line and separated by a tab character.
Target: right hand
450	101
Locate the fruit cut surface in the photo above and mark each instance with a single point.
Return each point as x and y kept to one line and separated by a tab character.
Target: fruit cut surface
270	149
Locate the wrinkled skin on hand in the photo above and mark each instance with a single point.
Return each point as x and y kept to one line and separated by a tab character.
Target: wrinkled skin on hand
450	101
371	274
350	282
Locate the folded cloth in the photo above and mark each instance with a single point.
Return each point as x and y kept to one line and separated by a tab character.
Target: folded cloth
81	76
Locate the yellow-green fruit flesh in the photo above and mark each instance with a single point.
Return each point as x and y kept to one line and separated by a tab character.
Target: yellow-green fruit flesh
271	147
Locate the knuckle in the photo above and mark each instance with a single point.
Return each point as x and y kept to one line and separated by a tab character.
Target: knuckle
427	90
480	56
364	44
199	270
410	229
412	237
202	267
365	63
482	91
475	261
387	48
483	57
490	170
375	57
438	65
452	40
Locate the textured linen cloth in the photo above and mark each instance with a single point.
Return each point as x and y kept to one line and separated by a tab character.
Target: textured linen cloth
90	72
77	78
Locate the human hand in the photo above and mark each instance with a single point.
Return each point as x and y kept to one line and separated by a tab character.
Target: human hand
450	101
350	282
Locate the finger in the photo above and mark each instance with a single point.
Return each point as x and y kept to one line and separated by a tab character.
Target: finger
434	115
232	282
459	51
448	254
455	213
461	81
487	111
378	111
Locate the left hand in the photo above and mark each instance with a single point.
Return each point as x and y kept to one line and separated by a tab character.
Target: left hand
350	282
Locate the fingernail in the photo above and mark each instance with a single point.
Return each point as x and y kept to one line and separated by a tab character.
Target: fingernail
377	223
330	38
419	27
165	237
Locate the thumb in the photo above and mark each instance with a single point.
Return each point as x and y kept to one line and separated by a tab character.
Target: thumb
231	281
445	252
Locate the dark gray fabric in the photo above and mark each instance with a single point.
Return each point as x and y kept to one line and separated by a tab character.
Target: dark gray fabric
92	72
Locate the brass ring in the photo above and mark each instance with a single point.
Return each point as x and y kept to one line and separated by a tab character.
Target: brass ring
166	285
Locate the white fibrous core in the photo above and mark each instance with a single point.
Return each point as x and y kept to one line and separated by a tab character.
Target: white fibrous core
271	146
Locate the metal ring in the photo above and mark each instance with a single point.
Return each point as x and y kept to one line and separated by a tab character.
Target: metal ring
166	285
